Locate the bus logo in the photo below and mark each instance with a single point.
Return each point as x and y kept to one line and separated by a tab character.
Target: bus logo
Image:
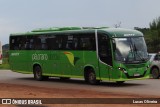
72	59
39	57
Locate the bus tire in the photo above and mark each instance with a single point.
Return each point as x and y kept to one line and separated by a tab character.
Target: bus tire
91	77
155	73
38	73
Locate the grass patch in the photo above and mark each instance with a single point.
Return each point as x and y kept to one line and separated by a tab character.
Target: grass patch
5	64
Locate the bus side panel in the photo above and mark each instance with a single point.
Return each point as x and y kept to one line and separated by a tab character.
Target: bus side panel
76	67
19	61
72	63
64	64
47	60
90	59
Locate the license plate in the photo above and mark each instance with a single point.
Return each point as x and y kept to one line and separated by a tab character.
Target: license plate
136	75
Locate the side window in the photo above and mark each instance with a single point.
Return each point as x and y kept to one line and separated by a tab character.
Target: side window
104	49
18	42
13	44
87	42
72	42
56	42
29	43
59	42
44	45
84	41
22	44
36	42
157	57
51	42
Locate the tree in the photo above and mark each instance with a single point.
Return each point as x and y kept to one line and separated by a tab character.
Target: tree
155	24
152	35
155	34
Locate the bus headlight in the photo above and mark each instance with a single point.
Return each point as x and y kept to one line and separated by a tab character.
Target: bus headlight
122	69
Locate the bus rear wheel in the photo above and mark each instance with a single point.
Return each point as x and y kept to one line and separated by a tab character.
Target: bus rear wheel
91	77
38	73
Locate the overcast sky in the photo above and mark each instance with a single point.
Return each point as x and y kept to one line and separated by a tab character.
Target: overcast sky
25	15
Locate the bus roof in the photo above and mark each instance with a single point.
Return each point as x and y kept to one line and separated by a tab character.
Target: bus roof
112	32
120	32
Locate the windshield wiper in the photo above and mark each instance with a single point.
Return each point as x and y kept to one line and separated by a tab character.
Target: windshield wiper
136	51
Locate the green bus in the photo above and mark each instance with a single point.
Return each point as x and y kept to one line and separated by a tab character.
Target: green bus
95	54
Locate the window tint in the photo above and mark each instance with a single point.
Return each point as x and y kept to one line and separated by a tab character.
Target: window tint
28	43
84	41
51	42
87	42
18	43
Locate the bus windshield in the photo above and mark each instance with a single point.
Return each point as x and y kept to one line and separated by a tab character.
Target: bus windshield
130	49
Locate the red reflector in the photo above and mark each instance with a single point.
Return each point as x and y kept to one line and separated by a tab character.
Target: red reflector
0	56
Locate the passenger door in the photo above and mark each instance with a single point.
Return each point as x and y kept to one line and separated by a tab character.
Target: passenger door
105	56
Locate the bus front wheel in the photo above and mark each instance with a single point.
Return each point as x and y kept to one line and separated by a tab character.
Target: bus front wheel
38	73
91	77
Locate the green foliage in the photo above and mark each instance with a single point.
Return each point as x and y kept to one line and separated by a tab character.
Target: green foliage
152	35
155	30
5	64
155	24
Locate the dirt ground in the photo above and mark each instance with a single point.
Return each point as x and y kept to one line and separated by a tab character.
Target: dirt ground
22	91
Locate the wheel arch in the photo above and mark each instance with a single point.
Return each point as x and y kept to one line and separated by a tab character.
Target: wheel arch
88	71
36	64
87	67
